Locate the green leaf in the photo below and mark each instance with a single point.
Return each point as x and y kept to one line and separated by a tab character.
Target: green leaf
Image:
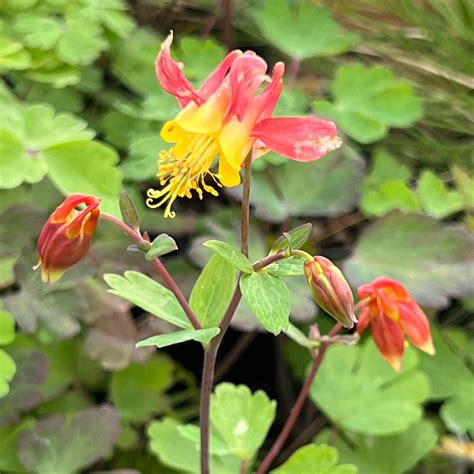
213	291
331	187
457	412
9	437
13	160
149	295
291	266
429	258
438	201
129	211
395	454
230	253
7	371
269	299
390	195
386	168
360	392
58	445
203	336
294	238
282	25
315	458
200	57
7	328
368	101
175	447
86	167
241	419
138	391
162	245
38	31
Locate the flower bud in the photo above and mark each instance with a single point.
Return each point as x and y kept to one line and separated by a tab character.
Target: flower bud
66	237
330	290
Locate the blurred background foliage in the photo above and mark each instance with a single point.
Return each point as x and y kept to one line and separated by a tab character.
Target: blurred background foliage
81	111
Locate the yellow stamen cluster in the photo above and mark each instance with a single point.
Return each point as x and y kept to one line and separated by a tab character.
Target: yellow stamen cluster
182	169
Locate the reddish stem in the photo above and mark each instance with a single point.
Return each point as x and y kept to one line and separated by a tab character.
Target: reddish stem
170	283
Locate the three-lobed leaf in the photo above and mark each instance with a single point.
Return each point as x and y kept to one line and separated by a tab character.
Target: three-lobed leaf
230	253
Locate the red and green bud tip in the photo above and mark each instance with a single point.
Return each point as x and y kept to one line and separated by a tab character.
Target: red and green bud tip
330	290
392	313
67	235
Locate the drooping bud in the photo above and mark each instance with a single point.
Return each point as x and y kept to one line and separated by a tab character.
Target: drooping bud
330	290
67	235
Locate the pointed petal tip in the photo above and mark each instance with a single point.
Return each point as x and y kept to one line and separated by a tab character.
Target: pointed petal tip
427	347
395	363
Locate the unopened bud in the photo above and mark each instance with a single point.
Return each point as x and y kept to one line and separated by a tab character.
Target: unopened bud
330	290
66	237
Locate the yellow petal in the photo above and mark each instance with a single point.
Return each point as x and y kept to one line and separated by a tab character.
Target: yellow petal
171	132
228	176
235	142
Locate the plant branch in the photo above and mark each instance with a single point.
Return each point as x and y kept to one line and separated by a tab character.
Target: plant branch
170	283
296	410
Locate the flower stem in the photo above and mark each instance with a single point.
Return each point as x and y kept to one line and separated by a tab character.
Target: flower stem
170	283
210	353
297	407
296	410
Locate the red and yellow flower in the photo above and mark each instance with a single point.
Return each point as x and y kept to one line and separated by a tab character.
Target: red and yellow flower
392	313
67	235
227	118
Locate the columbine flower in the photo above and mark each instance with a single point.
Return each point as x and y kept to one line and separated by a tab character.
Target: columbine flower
226	118
66	236
330	289
392	312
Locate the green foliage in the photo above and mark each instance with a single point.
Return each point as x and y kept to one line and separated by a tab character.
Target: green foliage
57	445
269	299
213	291
360	392
407	248
321	458
388	454
148	295
293	239
162	245
241	419
368	101
231	254
203	336
281	25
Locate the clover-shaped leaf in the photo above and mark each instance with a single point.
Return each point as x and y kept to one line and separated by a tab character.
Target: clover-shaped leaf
322	459
394	454
431	259
58	445
241	418
368	101
281	25
358	391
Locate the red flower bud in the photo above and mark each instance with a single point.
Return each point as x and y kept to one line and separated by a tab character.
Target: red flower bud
330	290
66	237
391	312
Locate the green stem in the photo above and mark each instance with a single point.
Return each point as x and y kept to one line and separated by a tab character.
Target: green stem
170	283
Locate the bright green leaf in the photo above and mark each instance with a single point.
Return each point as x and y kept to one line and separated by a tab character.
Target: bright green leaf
162	245
359	391
86	167
38	31
386	168
321	459
149	295
241	419
7	328
213	291
7	371
282	26
13	160
395	454
429	258
368	101
230	253
457	412
438	201
294	238
269	298
203	336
